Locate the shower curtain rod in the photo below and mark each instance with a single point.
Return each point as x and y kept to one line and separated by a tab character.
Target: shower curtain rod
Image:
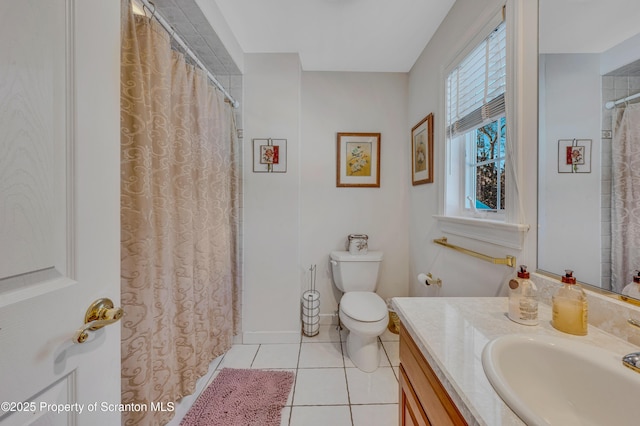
172	32
611	104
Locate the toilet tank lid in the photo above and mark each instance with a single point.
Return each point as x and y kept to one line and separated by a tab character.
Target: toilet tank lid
345	256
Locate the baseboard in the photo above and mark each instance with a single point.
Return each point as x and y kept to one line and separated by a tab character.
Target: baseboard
266	337
328	319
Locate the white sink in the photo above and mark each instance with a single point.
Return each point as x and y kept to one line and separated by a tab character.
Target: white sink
548	380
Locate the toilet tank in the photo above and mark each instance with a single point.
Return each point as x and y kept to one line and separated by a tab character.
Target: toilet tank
357	272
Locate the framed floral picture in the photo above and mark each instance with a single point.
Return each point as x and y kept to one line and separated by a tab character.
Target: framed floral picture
269	155
574	156
422	151
358	160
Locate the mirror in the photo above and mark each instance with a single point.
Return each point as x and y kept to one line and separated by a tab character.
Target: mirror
589	54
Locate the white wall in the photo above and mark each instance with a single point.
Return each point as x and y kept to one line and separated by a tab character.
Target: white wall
213	14
335	102
571	108
463	275
271	284
294	219
620	55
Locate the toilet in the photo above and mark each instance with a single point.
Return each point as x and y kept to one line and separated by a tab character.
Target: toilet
362	311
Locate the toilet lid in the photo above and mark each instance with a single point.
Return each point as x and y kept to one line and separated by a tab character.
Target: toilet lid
363	306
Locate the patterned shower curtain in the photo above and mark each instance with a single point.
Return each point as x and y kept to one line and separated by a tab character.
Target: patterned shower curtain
625	196
179	221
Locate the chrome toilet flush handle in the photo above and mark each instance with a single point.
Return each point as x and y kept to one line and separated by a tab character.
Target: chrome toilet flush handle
632	361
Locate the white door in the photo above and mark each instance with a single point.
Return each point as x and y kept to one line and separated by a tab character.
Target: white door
59	210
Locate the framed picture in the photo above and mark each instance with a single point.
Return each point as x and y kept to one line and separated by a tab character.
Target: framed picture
358	160
269	155
422	151
574	156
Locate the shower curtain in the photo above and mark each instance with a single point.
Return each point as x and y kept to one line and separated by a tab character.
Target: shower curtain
179	221
625	196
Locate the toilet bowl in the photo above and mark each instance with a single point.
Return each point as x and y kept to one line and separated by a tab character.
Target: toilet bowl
361	310
365	315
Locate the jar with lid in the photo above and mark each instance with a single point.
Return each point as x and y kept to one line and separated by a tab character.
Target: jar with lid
569	307
523	299
358	243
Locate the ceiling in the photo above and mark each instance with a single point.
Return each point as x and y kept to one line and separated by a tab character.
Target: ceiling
586	26
389	35
337	35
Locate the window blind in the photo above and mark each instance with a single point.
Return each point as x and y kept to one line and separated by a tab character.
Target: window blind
476	86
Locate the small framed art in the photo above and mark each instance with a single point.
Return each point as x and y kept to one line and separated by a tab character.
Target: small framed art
574	156
422	151
358	160
269	155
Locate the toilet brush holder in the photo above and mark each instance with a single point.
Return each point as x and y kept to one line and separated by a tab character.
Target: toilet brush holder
310	312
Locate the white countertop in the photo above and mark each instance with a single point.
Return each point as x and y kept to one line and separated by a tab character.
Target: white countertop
452	332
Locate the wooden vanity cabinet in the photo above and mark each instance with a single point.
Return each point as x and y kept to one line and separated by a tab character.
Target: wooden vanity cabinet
423	399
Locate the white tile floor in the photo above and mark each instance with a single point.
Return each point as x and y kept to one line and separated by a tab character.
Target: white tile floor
328	389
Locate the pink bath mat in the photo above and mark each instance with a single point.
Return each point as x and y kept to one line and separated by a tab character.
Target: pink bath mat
239	397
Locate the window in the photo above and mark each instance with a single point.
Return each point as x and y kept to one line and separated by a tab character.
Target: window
485	167
476	130
488	91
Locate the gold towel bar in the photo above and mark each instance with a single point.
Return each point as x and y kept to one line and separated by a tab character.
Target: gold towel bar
509	260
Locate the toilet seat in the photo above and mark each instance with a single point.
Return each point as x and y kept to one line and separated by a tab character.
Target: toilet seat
363	306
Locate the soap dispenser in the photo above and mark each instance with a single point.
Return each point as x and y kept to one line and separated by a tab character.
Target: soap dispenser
570	307
633	289
523	299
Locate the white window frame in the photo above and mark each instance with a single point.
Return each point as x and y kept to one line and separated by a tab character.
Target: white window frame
510	231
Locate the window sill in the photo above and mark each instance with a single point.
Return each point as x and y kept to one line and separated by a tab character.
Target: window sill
509	235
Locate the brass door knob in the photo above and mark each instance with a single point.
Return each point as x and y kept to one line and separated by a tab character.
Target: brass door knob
100	313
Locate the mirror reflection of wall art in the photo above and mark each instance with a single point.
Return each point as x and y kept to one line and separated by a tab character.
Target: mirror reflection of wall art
269	155
574	156
358	160
422	151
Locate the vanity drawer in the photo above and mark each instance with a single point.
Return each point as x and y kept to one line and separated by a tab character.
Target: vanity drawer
432	397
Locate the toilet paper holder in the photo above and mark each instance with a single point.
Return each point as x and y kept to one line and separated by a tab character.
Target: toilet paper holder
428	279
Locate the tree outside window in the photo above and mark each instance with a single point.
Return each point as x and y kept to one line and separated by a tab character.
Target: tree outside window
487	164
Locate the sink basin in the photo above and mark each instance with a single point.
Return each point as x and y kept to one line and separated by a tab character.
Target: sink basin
548	380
